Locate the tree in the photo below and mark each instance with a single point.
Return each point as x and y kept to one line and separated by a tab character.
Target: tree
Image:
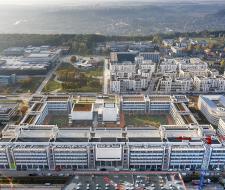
73	59
222	63
24	109
157	39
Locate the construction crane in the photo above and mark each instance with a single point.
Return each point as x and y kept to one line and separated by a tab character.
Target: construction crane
208	141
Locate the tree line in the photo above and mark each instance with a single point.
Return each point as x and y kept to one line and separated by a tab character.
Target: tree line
84	43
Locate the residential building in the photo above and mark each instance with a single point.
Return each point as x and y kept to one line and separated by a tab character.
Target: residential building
209	84
130	76
168	85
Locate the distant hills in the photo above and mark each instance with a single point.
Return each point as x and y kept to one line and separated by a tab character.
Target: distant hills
114	19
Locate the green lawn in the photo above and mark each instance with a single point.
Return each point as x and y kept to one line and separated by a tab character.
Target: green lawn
95	72
51	86
76	80
61	120
141	120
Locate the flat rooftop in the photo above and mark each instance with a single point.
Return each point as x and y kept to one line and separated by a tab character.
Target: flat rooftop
133	98
30	118
36	98
82	107
179	107
181	98
187	119
37	107
5	108
57	98
160	98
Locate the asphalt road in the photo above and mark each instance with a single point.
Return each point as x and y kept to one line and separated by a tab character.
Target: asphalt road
47	78
106	77
207	187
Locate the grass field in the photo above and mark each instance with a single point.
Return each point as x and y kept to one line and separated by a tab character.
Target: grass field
56	119
95	72
51	86
90	81
141	120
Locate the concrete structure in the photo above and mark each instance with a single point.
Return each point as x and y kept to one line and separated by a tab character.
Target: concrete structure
213	107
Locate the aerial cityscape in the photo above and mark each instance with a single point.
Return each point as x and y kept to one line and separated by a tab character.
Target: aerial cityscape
127	107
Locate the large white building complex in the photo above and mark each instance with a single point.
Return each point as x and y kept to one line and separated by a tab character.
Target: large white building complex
29	60
176	147
184	145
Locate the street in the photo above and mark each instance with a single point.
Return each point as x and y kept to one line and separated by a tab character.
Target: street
207	187
106	77
47	78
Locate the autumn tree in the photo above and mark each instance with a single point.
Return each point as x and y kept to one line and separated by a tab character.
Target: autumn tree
73	59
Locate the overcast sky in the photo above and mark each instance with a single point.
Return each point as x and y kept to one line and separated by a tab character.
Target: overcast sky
78	2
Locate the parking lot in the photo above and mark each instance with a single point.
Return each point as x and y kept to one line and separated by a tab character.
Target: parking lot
126	182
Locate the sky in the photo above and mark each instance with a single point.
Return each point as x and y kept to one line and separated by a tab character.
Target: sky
78	2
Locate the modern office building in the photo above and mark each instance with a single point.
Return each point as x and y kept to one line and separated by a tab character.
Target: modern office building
179	147
212	107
